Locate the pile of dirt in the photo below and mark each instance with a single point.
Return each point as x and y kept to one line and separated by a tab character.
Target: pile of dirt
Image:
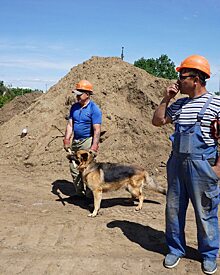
127	96
17	105
44	234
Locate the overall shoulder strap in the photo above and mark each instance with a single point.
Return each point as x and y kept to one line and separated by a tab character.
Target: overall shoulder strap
201	113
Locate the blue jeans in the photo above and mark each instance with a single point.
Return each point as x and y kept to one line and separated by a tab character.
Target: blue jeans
195	180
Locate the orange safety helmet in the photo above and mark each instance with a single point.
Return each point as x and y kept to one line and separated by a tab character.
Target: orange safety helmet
84	85
197	62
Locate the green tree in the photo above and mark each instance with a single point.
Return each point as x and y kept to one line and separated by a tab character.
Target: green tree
160	67
8	93
3	89
4	99
20	91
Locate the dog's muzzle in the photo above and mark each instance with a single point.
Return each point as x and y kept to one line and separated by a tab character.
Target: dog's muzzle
73	159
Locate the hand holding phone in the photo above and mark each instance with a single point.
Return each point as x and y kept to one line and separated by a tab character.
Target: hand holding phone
172	90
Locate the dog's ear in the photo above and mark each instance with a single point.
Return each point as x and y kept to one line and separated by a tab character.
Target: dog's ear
85	156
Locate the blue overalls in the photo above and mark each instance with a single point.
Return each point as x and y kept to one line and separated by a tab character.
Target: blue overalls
190	176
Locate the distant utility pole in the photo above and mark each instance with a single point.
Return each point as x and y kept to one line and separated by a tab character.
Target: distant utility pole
219	84
122	53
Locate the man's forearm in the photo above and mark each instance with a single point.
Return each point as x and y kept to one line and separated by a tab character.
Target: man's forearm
96	138
67	137
159	117
68	132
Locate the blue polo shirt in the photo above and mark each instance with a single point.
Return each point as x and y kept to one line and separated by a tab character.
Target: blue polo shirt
84	118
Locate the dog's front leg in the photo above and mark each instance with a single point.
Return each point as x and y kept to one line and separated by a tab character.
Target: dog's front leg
97	194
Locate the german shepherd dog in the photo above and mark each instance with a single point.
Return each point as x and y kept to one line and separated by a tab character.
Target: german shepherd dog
103	177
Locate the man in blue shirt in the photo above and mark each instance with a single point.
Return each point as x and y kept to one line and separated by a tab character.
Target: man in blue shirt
84	125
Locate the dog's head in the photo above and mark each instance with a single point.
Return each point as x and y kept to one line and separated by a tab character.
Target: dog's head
84	158
73	158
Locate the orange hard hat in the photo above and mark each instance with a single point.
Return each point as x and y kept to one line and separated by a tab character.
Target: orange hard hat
84	85
197	62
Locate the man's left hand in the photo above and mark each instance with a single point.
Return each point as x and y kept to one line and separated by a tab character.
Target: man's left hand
216	169
94	148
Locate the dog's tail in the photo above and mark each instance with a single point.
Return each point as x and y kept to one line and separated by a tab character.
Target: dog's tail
153	185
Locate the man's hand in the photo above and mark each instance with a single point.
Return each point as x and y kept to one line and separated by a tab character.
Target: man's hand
216	169
172	90
66	144
94	148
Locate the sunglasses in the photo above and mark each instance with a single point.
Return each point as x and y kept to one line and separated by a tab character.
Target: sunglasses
182	77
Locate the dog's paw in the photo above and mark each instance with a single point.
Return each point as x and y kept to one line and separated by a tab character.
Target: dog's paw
93	215
138	208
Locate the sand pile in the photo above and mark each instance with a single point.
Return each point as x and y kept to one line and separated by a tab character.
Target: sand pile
17	105
127	96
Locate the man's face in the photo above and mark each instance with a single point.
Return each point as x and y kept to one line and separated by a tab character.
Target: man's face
82	98
186	81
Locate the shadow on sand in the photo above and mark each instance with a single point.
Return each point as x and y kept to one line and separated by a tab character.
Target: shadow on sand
67	188
148	238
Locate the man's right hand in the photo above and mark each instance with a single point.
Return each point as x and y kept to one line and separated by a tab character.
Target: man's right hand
66	144
172	90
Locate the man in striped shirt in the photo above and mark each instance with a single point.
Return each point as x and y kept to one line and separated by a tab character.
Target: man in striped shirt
193	169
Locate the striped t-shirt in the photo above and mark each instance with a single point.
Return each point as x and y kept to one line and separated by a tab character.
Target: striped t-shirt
190	108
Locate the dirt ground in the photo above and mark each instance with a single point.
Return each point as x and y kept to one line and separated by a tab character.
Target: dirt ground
43	233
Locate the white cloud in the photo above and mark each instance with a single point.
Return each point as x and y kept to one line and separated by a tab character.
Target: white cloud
36	47
32	80
39	64
17	46
32	83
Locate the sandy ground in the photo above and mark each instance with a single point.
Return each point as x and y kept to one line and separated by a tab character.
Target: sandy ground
40	234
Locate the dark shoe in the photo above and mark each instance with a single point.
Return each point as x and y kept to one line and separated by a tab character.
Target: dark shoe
171	260
209	266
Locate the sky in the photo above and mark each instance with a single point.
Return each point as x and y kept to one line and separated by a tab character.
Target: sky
41	40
